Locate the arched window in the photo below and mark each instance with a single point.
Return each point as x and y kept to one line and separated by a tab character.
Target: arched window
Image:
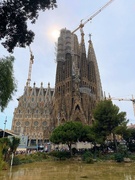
78	119
77	107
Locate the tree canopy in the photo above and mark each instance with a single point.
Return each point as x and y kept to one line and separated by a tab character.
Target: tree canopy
14	15
8	146
14	143
108	120
69	133
7	81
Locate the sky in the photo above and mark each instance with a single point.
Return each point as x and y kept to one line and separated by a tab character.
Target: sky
113	37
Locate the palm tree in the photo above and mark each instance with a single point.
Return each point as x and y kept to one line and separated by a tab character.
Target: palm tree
14	143
8	147
4	144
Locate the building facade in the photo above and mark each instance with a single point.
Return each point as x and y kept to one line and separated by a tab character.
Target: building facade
77	90
78	86
32	117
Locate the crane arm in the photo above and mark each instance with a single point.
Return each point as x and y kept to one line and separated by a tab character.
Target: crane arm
30	67
96	13
121	99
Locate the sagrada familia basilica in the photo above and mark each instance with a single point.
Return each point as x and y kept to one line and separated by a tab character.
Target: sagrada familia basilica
76	92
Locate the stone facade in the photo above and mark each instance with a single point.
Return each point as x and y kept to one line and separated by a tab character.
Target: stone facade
77	90
78	85
32	117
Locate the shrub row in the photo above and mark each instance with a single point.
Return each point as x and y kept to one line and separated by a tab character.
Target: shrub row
61	155
29	158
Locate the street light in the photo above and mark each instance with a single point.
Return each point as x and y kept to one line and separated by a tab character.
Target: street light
4	126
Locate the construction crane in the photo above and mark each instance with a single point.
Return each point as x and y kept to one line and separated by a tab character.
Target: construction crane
123	99
30	67
89	19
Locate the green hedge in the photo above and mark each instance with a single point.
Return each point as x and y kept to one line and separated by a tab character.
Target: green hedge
29	158
61	155
87	157
119	157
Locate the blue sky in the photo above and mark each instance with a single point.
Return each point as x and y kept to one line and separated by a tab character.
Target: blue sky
113	37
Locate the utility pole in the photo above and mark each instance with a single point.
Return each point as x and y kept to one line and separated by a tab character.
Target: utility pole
4	126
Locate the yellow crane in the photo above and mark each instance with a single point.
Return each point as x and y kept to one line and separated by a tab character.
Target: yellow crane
89	19
124	99
30	67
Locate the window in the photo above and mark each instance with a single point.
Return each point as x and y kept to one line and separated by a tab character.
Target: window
35	123
27	123
44	123
18	123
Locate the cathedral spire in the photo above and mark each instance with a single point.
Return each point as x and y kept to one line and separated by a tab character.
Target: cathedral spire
27	89
33	92
94	75
91	53
41	92
82	44
90	37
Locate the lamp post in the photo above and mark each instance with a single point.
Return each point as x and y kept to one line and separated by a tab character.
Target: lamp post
4	126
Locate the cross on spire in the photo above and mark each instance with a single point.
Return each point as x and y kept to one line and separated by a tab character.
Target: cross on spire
90	37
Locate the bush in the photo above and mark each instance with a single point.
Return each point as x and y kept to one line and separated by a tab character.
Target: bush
132	156
38	156
108	157
119	157
25	158
74	151
21	159
89	160
87	156
131	146
35	157
61	155
122	148
16	161
3	165
122	152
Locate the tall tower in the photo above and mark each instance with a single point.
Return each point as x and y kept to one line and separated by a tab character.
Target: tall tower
78	85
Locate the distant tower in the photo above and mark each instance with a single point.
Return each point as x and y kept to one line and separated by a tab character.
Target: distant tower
93	70
78	85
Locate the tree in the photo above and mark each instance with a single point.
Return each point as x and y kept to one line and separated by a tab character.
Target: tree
129	136
14	15
108	119
88	134
69	133
8	147
14	143
4	144
7	81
